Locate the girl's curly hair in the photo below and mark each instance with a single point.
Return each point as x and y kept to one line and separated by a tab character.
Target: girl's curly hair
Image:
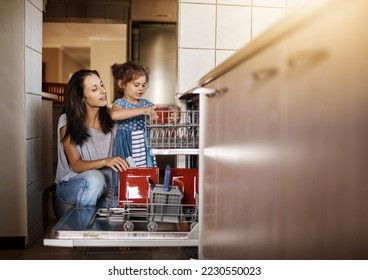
128	72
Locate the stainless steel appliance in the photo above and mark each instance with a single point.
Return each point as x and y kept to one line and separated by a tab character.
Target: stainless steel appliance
154	45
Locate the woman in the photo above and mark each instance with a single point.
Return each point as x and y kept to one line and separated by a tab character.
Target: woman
85	136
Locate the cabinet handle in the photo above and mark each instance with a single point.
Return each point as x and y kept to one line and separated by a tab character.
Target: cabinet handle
307	58
209	92
217	92
265	73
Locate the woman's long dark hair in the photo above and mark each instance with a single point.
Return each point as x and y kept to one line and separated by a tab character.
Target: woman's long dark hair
75	109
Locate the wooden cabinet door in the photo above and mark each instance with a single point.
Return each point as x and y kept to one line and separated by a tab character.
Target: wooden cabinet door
326	131
284	156
240	143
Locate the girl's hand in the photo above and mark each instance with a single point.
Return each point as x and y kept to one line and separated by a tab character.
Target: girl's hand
152	113
174	114
116	163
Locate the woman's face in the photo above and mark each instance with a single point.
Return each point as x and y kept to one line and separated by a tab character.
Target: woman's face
94	92
134	90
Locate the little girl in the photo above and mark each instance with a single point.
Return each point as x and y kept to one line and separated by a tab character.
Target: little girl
129	111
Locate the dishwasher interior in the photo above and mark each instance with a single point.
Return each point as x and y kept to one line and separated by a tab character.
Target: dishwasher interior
150	211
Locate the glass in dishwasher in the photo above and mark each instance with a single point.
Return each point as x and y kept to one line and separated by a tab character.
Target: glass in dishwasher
175	129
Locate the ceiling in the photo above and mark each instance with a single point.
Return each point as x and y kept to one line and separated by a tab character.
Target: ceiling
76	38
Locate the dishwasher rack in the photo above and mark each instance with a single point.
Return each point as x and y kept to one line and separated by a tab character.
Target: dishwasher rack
173	131
147	215
142	200
161	208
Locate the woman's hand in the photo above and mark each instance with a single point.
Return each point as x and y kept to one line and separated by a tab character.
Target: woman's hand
116	163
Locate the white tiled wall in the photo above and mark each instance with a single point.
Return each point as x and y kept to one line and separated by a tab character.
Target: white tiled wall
292	4
33	24
33	79
33	66
197	26
33	115
222	55
199	2
194	63
263	18
210	31
270	3
235	2
228	35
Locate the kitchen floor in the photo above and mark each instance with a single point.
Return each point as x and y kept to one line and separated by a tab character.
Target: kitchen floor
38	251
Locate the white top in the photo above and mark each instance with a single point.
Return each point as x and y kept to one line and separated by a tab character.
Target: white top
99	145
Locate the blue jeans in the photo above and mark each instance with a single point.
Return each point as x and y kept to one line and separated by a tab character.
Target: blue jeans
87	189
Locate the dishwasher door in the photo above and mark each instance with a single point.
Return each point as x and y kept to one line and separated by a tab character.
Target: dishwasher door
91	227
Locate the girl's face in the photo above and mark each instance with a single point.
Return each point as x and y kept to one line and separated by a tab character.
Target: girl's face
94	92
134	90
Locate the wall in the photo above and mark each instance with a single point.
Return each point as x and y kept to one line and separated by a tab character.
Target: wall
60	66
68	66
33	79
51	57
12	120
20	115
105	53
210	31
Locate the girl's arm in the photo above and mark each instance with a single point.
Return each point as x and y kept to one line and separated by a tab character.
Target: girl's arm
78	165
118	113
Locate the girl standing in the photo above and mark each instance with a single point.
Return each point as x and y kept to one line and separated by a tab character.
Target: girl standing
129	111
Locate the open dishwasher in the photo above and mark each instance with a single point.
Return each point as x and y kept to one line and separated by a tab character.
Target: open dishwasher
148	213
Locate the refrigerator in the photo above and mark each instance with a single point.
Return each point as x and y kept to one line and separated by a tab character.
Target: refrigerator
154	45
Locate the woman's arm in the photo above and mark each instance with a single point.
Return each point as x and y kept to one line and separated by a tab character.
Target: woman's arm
118	113
78	165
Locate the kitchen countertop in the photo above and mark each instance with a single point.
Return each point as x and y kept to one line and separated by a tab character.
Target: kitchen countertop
46	95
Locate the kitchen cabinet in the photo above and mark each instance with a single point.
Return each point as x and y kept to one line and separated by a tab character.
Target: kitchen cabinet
282	143
47	158
156	11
